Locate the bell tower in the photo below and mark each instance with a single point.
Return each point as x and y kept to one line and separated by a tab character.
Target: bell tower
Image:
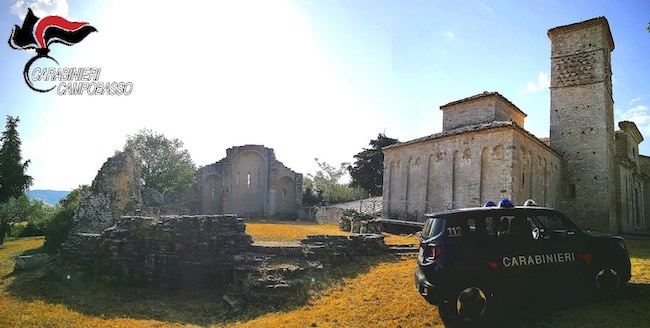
582	121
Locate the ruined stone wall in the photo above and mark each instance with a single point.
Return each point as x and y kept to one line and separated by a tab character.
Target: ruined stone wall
170	251
115	191
249	182
582	121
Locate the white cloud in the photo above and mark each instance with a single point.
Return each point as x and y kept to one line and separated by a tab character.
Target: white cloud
449	35
486	8
41	8
635	100
640	115
543	82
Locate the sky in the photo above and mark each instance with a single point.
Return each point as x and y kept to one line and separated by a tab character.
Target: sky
310	79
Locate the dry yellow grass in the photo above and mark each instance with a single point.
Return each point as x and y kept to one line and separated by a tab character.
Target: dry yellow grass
383	297
20	313
282	232
266	232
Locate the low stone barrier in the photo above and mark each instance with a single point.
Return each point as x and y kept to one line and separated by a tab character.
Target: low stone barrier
172	251
360	225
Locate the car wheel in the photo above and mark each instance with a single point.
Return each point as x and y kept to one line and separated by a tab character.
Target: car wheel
607	281
468	306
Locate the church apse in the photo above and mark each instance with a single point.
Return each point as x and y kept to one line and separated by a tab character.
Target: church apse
249	182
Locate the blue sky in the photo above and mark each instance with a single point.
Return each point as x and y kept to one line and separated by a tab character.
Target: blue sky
311	79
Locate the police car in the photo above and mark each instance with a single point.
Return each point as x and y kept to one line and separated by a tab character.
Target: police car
480	264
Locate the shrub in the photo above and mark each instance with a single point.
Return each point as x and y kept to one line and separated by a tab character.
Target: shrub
59	226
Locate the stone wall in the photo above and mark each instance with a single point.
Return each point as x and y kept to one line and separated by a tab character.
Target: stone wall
363	225
170	251
328	214
208	252
483	108
467	167
249	182
582	121
114	192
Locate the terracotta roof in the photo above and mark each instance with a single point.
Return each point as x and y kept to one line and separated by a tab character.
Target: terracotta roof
584	24
481	95
473	128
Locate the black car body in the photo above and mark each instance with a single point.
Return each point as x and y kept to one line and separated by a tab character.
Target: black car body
476	264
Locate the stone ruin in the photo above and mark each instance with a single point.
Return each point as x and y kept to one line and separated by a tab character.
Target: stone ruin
115	191
112	241
355	222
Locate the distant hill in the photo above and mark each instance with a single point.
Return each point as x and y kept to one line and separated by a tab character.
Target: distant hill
50	197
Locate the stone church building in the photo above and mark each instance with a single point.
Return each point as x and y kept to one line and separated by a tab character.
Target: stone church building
586	169
249	182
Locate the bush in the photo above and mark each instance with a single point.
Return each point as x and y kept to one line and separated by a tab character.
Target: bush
60	224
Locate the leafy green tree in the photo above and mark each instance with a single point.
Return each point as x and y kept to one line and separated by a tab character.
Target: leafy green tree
309	196
166	166
327	183
13	180
12	211
26	216
59	226
368	170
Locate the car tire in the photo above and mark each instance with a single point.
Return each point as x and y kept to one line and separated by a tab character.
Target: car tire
469	305
606	280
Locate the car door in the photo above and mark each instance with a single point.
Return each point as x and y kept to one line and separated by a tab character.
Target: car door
562	247
517	251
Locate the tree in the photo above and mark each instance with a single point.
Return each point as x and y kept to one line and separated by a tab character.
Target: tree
166	166
309	196
57	229
327	184
12	211
23	213
13	180
368	170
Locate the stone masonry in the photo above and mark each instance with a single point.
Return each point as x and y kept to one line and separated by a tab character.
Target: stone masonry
170	251
586	169
114	192
249	181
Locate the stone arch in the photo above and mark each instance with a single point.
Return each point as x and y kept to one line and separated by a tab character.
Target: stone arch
467	154
285	196
212	198
249	195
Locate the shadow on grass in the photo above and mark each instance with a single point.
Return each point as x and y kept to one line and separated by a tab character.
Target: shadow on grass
94	298
629	308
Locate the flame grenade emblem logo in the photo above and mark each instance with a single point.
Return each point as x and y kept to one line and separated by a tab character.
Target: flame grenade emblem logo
39	33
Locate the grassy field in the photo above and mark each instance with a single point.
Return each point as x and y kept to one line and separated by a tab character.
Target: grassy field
372	293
